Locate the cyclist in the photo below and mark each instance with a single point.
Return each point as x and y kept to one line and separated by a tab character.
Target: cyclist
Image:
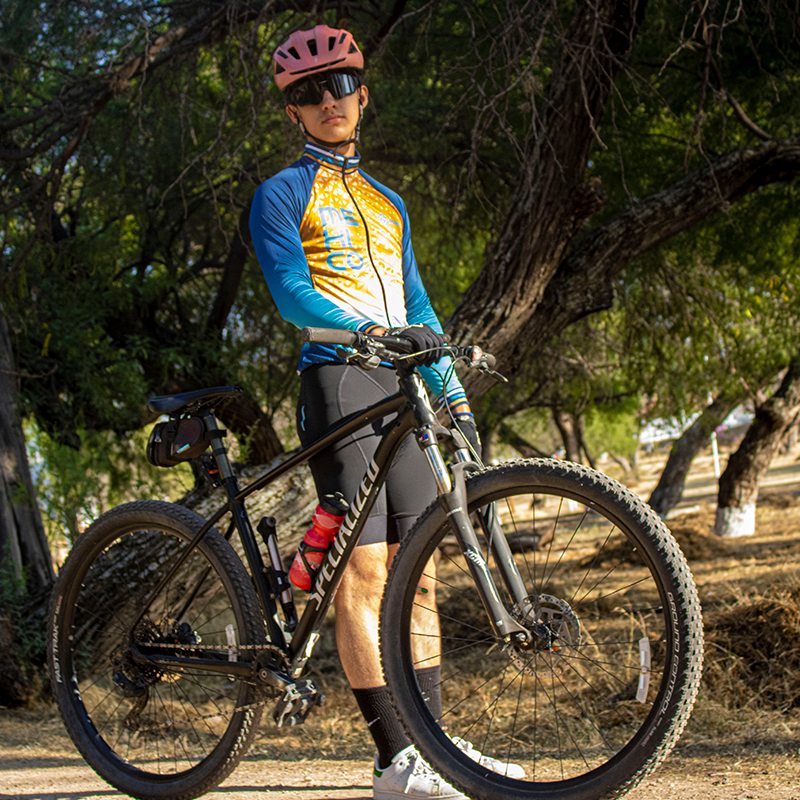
335	249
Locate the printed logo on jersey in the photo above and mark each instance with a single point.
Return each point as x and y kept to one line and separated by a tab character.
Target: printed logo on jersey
335	223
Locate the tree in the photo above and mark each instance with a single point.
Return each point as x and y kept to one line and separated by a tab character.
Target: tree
26	570
669	490
738	484
530	122
544	271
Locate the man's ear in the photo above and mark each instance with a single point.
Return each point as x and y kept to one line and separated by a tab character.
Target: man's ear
292	113
363	96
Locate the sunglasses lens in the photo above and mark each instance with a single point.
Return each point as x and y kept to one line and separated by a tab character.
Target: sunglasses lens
341	84
311	91
307	93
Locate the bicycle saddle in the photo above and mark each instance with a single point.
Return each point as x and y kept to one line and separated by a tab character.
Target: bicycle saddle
191	402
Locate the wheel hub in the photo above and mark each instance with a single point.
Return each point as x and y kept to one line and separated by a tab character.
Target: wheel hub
554	630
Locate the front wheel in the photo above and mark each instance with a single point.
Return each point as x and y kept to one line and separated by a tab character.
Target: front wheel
599	695
154	732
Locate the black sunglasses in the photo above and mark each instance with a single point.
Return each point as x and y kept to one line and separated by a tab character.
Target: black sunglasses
311	90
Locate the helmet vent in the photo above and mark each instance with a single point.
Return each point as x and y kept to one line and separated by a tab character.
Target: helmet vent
312	46
331	42
294	53
353	49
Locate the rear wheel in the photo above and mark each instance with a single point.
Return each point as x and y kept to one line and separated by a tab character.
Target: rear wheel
604	688
154	732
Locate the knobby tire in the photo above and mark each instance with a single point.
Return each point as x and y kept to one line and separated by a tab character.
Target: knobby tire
153	733
608	589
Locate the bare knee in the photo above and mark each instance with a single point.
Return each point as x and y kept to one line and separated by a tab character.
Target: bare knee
364	578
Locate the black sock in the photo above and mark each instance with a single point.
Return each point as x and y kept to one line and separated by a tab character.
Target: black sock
386	730
430	681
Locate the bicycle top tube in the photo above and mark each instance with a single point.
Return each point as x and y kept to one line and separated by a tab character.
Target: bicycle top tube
367	352
350	424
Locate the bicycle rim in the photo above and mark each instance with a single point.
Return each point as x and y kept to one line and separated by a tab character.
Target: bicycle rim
154	731
603	691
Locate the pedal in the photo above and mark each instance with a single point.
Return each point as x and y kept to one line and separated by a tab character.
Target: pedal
297	703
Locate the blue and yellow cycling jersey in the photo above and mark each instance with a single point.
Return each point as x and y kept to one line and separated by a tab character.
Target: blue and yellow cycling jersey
335	248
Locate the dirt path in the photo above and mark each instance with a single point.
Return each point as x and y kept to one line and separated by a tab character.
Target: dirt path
716	760
699	776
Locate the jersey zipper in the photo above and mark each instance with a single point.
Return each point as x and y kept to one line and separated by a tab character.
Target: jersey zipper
369	248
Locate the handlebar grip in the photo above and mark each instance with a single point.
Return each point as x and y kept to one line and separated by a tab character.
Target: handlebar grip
329	336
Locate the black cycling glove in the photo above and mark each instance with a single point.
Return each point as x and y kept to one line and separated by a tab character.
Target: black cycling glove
425	341
466	424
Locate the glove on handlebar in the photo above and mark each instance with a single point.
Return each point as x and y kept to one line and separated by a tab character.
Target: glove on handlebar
425	341
466	424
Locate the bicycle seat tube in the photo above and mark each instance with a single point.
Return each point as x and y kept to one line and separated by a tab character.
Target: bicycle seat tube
246	534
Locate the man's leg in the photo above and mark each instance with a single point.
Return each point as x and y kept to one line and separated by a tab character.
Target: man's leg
357	606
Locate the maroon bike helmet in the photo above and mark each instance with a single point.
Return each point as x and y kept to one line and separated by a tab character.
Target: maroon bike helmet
318	50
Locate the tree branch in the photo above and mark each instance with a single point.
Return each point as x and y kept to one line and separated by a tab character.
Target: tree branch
583	284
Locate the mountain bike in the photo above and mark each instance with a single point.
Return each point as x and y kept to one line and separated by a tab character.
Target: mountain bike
559	608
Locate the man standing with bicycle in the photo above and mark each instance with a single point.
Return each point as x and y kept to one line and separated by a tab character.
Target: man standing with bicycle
335	248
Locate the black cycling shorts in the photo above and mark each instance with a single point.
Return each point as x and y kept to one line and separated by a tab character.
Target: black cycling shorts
329	392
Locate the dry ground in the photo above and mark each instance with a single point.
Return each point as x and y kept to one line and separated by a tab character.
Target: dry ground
736	747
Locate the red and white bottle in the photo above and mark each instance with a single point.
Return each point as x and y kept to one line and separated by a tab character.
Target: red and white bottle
325	524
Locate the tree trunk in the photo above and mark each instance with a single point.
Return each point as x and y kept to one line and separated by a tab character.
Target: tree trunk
23	547
552	201
669	490
22	538
738	485
569	436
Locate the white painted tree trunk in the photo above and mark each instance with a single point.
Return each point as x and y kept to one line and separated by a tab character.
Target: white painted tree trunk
738	484
731	522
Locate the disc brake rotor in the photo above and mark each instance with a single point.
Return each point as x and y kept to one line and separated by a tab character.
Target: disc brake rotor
555	630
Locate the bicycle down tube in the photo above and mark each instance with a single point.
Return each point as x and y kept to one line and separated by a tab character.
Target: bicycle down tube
417	415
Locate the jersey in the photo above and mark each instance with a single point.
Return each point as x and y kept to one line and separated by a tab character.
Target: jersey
335	249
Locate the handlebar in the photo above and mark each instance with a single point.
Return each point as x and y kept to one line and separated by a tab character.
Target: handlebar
392	345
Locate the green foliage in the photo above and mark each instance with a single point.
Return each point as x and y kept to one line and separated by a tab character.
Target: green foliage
613	428
118	305
716	309
75	486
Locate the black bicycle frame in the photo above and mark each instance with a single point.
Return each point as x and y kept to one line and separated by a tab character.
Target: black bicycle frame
413	413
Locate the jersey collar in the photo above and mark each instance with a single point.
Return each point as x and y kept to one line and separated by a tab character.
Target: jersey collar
328	159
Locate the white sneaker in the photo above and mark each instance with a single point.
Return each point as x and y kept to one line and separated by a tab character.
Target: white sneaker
507	768
408	777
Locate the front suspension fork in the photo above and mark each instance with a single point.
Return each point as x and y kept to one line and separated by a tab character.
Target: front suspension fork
453	497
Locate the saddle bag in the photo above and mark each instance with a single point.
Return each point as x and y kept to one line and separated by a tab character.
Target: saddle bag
177	440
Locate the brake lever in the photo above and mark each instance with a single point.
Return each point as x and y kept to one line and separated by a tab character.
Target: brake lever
484	367
365	361
496	375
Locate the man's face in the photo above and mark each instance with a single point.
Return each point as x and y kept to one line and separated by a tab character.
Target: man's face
332	120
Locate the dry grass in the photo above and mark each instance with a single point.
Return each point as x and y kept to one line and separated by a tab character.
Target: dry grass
750	698
753	652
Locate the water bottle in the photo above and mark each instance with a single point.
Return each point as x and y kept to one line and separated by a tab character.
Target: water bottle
325	524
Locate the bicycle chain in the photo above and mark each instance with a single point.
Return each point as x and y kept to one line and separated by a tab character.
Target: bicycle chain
238	648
